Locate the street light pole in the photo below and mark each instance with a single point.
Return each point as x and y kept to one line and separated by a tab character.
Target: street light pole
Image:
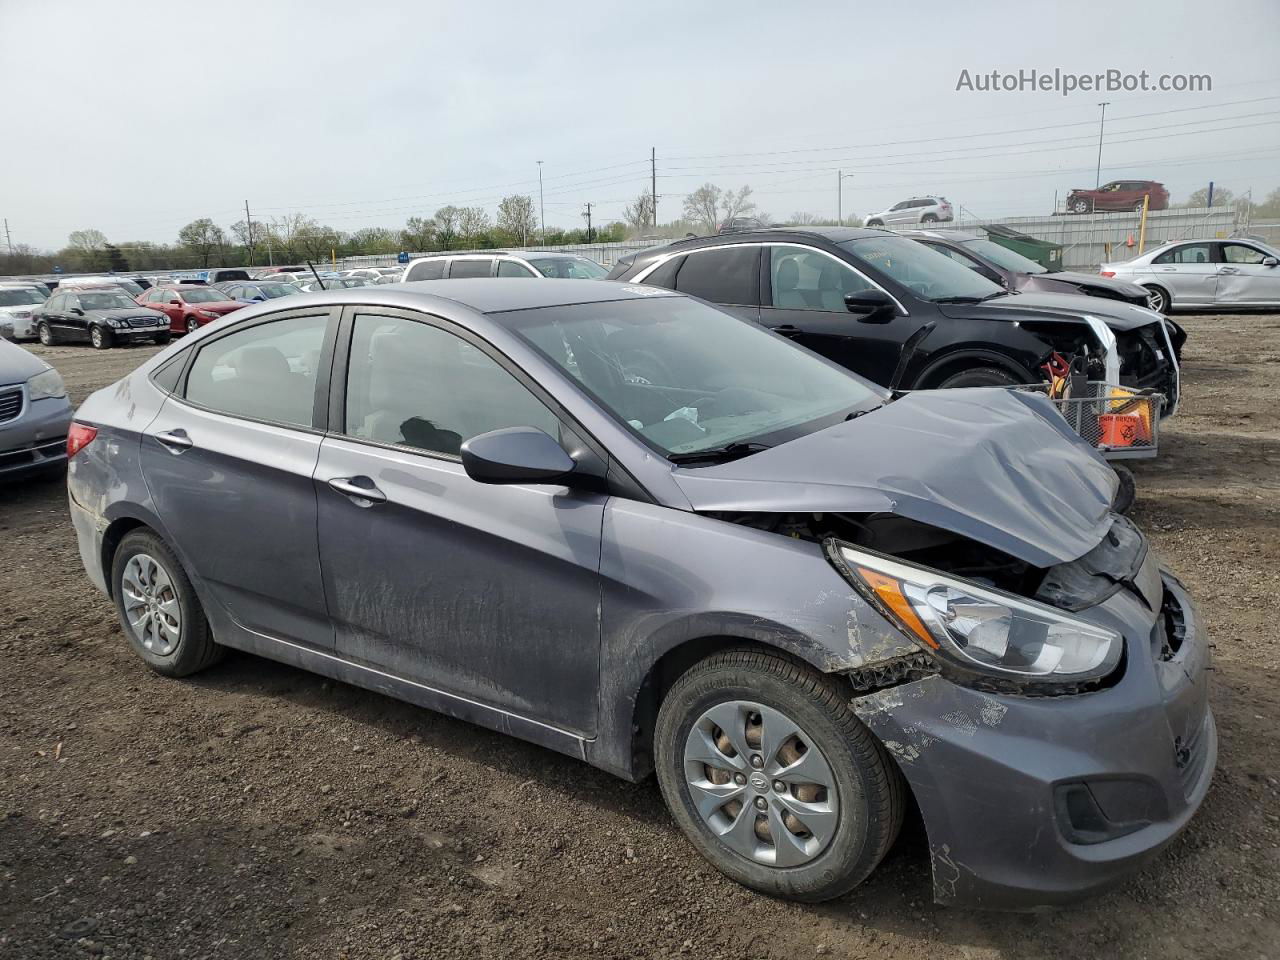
840	179
542	210
1101	125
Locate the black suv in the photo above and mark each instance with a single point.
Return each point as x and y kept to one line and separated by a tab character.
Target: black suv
860	296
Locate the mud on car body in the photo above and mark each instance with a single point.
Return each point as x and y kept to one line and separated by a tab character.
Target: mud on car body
796	599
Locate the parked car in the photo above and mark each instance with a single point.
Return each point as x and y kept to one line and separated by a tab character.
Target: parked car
100	283
327	282
34	414
1200	274
1118	195
374	274
256	291
189	306
903	315
915	210
792	595
225	274
19	304
1017	273
103	317
501	263
739	224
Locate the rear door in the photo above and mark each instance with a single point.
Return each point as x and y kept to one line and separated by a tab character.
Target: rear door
1189	273
804	290
1244	278
460	267
229	461
489	593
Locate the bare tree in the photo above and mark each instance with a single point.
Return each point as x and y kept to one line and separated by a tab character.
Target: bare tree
1222	197
516	217
202	237
736	204
640	214
473	224
709	205
800	218
88	247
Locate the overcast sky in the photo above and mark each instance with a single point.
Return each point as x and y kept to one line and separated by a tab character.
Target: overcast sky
136	117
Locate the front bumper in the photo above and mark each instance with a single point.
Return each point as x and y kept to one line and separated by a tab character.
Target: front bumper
36	438
132	334
989	771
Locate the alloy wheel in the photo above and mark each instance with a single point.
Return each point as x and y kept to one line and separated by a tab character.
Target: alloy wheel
192	325
760	784
151	605
1155	300
46	335
95	335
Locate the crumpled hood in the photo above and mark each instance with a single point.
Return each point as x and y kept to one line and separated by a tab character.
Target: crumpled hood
1124	288
998	466
1032	306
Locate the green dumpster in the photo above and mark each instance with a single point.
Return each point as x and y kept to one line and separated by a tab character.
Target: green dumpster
1048	255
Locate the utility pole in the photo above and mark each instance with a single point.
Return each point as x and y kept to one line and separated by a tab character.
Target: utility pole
248	221
1101	125
8	239
542	209
840	179
653	185
588	223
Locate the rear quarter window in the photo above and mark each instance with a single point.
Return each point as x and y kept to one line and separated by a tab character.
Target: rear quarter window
427	270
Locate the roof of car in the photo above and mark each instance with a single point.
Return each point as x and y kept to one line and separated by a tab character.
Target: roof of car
497	253
959	236
830	234
492	294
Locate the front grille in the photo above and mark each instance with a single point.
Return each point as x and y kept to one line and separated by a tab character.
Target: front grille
1190	753
10	404
142	321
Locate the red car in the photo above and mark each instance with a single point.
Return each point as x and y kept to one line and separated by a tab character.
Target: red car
1119	195
189	306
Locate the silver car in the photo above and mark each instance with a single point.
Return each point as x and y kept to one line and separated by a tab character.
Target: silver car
915	210
501	263
1205	274
795	597
34	414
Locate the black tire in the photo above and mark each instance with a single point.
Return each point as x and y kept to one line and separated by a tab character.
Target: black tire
870	789
875	223
192	325
1081	206
929	218
101	338
1158	300
1127	492
163	338
45	333
980	377
195	649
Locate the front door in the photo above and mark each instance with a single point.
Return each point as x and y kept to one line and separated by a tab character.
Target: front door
1244	277
229	463
489	593
1188	273
804	300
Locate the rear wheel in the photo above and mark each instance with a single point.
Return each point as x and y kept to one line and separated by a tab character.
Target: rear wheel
980	377
773	778
45	334
100	337
158	608
1158	299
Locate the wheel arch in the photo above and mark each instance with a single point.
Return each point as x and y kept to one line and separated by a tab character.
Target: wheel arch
957	361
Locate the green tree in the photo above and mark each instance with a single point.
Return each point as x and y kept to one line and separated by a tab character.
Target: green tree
445	222
87	248
117	262
202	237
516	218
418	235
371	240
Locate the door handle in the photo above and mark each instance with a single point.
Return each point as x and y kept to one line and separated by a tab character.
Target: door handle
788	330
1168	269
358	491
1222	270
176	440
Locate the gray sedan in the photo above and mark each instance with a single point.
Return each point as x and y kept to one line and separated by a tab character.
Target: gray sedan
34	414
794	597
1205	274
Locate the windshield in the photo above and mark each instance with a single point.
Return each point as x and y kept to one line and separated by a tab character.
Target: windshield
134	288
273	290
572	268
202	296
18	298
688	377
1003	256
104	301
926	273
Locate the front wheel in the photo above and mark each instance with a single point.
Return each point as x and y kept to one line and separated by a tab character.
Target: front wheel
162	339
772	777
192	325
875	223
158	607
980	377
929	218
1080	206
100	338
45	334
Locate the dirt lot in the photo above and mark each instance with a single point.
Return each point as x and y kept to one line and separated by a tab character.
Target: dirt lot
257	811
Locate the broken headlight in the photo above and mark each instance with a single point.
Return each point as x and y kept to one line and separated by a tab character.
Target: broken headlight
977	628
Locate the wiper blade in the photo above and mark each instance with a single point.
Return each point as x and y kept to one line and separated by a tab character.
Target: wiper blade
730	451
958	299
863	412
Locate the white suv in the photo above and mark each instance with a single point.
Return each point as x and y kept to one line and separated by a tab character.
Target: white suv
915	210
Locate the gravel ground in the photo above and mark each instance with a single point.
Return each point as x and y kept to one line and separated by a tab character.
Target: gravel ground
258	811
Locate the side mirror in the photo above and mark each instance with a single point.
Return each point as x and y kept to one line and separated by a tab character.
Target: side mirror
515	455
77	311
874	304
1269	261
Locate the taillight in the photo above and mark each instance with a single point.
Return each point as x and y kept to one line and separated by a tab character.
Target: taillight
79	437
1107	273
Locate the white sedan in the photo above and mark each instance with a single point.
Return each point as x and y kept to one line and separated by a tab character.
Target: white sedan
1215	274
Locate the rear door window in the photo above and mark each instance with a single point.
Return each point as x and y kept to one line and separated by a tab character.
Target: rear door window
461	269
722	276
1191	253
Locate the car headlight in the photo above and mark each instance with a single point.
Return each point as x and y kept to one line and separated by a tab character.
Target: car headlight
46	384
979	629
117	322
209	314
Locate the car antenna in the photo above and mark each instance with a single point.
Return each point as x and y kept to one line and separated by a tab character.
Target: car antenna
908	352
319	282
